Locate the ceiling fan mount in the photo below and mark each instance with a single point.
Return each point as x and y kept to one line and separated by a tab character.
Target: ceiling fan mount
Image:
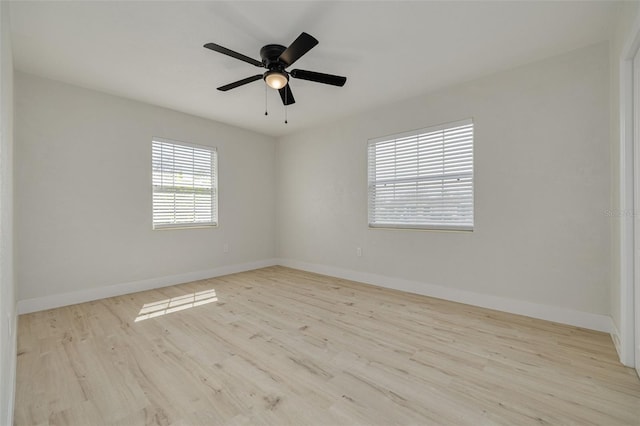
276	58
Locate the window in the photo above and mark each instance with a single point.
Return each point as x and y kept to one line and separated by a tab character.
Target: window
185	185
423	179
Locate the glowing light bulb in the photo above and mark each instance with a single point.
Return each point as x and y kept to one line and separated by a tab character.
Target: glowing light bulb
276	79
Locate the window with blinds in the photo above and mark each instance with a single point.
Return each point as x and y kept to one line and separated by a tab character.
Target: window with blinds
184	185
422	179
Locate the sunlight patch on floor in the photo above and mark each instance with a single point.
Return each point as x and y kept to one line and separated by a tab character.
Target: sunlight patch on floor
175	304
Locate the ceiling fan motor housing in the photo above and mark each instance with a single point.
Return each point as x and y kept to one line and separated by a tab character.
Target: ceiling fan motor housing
270	54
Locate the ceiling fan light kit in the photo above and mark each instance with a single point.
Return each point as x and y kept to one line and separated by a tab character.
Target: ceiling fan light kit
276	58
276	79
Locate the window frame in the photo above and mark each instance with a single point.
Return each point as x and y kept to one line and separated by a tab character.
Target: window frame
215	192
371	222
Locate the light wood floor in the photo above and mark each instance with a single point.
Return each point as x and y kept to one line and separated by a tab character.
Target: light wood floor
279	346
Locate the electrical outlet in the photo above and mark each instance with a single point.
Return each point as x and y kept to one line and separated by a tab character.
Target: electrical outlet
359	251
225	247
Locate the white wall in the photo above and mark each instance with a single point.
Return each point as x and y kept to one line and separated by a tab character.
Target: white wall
542	175
8	317
83	199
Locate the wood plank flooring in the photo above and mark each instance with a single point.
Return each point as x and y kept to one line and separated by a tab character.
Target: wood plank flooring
278	346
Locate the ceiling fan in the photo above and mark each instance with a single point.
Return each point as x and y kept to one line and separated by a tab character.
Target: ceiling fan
276	58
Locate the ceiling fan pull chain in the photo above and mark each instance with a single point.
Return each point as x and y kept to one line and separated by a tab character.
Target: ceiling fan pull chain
265	100
285	106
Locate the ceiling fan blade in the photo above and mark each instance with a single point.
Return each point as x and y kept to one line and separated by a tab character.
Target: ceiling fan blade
240	82
318	77
299	47
286	95
229	52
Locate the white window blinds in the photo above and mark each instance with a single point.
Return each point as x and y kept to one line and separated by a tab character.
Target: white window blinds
423	179
184	185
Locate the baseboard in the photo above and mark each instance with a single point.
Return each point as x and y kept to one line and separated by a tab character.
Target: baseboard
626	356
615	336
57	300
11	380
546	312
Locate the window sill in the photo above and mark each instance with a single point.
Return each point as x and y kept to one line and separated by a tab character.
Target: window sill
172	227
443	228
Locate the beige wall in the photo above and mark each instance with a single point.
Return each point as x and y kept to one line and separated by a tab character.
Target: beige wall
543	181
83	208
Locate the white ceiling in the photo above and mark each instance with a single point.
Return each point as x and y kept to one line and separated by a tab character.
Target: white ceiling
152	51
